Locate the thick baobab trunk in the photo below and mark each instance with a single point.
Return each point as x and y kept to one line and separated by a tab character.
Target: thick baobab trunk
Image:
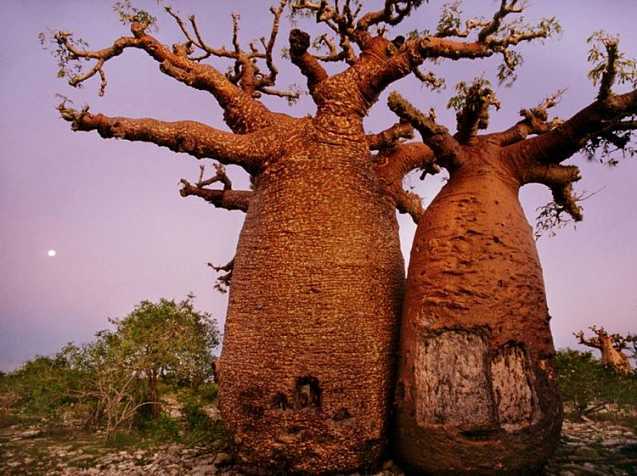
309	344
476	391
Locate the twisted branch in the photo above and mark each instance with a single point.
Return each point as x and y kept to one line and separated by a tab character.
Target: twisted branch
242	112
437	137
225	198
390	137
535	122
194	138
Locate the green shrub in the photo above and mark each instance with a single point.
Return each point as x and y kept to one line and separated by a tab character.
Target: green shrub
121	439
588	386
207	392
195	418
162	429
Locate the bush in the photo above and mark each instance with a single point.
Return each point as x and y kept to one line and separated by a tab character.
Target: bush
120	377
43	386
195	418
208	392
588	386
162	429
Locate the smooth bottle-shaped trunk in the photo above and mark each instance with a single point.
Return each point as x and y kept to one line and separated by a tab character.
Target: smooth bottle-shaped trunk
476	391
311	332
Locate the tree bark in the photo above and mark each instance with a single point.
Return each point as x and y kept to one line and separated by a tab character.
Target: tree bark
476	389
153	394
306	370
613	358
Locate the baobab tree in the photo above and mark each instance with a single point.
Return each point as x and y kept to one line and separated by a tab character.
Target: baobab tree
611	347
306	372
476	384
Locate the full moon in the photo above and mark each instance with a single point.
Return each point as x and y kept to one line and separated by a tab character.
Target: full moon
52	253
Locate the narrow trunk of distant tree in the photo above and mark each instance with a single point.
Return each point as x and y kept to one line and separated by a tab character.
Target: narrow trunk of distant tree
153	394
476	389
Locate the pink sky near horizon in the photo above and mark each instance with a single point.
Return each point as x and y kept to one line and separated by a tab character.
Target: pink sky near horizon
112	211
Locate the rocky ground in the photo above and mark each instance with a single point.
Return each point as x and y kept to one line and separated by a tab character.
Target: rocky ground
587	449
595	449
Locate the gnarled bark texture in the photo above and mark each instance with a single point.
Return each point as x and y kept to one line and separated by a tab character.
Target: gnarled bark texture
476	390
309	343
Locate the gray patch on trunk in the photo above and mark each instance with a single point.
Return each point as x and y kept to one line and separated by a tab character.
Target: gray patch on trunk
452	387
514	397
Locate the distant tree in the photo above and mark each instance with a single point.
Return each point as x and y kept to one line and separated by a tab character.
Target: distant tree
118	374
612	348
165	339
589	386
42	385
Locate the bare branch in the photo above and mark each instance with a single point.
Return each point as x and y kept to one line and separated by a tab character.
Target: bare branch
393	164
219	176
228	199
394	12
334	54
183	28
592	342
307	63
551	175
245	71
194	138
535	122
224	280
390	137
445	147
340	21
243	113
390	61
506	7
472	103
572	135
409	202
270	80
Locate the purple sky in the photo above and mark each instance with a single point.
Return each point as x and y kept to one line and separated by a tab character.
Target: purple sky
112	211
